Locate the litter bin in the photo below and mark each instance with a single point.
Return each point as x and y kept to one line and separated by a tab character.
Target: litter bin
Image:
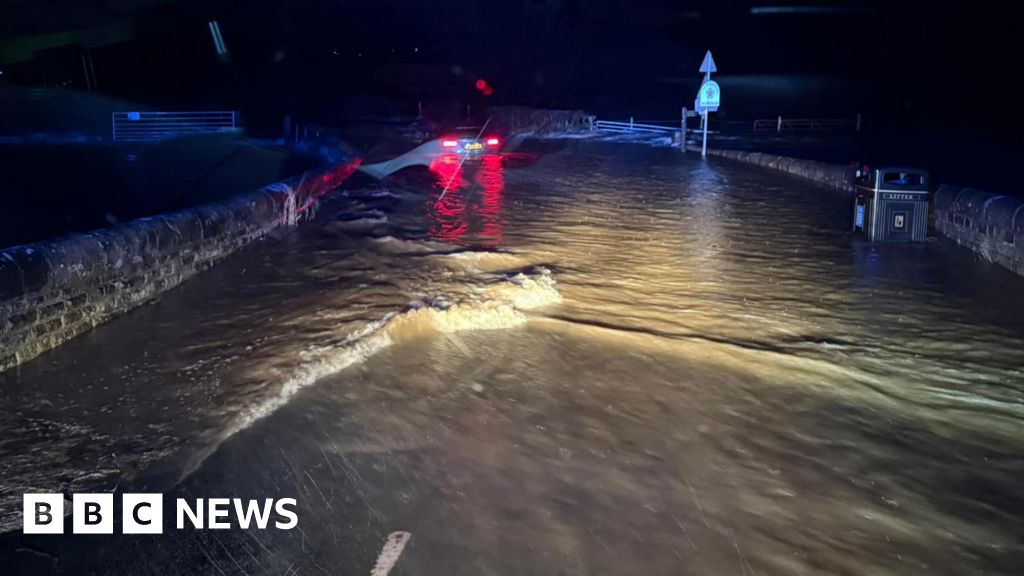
891	204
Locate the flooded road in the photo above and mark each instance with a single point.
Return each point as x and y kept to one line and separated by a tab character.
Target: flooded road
583	358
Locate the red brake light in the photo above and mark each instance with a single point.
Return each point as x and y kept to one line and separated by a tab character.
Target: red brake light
449	143
493	141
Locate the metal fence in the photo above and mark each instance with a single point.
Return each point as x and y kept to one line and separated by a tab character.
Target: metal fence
156	126
780	124
631	126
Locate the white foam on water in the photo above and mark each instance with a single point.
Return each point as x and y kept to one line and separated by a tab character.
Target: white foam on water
585	135
364	222
398	245
383	193
476	261
497	304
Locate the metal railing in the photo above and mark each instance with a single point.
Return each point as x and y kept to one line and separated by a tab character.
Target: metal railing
631	126
156	126
780	124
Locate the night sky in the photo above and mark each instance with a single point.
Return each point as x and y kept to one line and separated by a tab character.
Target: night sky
914	64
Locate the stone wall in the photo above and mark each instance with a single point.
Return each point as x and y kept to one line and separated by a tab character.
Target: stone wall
53	291
523	120
991	225
832	175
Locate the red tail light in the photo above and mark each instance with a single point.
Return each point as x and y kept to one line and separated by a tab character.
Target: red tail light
449	143
493	141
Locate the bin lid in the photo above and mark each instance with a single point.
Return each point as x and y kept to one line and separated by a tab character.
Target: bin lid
901	178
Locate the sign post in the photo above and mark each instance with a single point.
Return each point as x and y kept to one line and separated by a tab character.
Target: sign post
708	98
704	143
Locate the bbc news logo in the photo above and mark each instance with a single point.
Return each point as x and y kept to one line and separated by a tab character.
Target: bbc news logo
144	513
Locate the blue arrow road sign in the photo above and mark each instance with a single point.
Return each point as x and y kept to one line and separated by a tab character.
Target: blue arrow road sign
708	97
708	65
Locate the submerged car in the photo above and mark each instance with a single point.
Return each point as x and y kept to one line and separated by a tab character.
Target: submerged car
452	146
470	140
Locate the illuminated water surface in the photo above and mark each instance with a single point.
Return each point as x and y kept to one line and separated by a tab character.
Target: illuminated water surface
585	358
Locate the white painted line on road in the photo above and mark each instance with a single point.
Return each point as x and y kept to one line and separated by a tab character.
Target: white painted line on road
393	547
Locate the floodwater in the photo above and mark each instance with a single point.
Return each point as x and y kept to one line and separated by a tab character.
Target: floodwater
582	358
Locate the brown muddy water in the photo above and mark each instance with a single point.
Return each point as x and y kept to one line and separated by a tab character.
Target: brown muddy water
586	358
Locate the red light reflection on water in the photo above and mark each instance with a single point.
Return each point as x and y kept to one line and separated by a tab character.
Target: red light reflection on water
491	178
448	214
470	211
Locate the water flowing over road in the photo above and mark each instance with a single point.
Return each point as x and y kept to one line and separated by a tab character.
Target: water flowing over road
585	358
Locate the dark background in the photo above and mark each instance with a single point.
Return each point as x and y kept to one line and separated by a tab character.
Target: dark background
943	72
952	61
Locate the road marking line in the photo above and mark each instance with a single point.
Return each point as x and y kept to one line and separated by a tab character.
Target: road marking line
393	547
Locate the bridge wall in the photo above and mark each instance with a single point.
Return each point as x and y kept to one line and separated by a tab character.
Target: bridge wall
992	225
53	291
832	175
